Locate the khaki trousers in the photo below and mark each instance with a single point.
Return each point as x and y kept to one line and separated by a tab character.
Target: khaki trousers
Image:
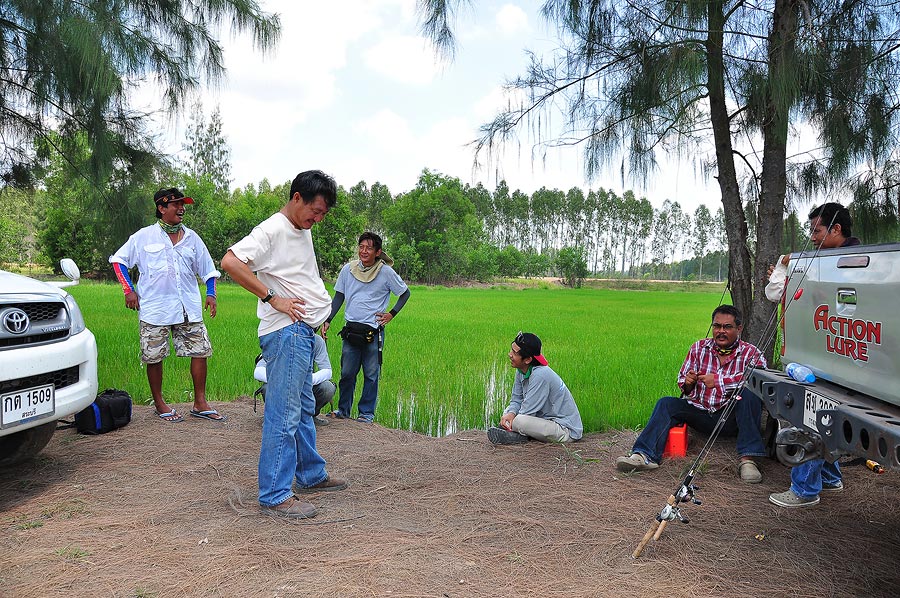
541	429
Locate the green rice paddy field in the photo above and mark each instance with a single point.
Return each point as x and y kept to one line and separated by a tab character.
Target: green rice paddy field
445	357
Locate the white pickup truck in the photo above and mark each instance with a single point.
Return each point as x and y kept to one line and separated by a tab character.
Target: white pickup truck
842	320
48	362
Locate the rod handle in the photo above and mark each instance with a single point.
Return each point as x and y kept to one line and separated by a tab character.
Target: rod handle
640	547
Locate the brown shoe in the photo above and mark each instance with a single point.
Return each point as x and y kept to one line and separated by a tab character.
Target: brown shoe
292	507
327	485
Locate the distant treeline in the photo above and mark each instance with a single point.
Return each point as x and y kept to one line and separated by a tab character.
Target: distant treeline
442	231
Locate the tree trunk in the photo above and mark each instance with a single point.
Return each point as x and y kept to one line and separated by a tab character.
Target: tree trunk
770	214
735	222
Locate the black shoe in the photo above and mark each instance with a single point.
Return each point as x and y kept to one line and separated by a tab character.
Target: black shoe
500	436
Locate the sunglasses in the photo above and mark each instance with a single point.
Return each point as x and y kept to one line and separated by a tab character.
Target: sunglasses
520	340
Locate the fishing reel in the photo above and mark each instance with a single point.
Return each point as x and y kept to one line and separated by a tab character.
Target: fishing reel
670	512
687	493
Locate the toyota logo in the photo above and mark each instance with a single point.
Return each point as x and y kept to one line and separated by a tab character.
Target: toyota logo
15	320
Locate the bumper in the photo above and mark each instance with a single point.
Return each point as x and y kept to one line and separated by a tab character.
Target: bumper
19	365
858	424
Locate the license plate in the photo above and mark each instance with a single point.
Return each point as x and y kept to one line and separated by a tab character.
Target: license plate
811	404
27	404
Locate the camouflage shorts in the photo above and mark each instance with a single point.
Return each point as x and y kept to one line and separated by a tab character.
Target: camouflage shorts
190	340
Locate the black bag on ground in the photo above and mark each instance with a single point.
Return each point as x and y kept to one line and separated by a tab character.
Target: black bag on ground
358	334
111	410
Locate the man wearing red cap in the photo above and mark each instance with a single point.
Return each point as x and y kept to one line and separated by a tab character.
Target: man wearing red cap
170	257
541	406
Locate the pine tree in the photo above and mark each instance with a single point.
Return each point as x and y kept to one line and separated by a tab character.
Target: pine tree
70	66
724	80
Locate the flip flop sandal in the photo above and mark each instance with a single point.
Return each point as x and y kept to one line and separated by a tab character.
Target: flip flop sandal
173	417
209	414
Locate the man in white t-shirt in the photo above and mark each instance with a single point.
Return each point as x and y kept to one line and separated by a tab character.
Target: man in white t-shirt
293	302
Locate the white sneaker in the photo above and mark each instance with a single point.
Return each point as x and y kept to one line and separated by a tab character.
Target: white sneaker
635	462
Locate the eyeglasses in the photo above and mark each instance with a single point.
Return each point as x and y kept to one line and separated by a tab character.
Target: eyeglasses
365	247
726	327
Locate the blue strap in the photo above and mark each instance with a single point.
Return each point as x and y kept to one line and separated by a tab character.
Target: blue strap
97	423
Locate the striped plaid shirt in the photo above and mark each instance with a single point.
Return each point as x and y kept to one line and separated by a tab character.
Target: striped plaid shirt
703	359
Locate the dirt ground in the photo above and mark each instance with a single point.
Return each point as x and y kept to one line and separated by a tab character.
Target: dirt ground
158	509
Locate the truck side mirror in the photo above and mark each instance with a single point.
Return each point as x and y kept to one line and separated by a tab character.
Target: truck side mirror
70	269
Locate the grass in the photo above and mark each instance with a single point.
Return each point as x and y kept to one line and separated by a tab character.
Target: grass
73	553
445	357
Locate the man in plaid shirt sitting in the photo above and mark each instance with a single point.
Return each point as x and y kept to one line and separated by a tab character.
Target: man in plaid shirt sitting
712	371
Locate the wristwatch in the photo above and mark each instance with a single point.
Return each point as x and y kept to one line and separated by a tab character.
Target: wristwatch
269	294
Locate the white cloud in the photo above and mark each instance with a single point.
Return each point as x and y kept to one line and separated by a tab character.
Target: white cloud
511	20
329	98
406	59
387	131
496	100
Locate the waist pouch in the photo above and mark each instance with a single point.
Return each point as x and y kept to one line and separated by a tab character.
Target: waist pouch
358	334
111	410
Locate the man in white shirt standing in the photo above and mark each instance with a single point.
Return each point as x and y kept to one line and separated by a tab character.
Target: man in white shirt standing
170	257
292	303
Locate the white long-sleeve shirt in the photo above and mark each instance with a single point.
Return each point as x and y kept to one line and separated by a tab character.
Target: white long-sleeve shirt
167	288
320	360
775	288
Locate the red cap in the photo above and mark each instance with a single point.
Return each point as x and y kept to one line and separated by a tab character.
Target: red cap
164	196
530	346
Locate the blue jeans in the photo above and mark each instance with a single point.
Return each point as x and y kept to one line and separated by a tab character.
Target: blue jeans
672	411
288	447
352	358
807	478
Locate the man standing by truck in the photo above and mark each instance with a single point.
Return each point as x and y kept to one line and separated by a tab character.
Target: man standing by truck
830	226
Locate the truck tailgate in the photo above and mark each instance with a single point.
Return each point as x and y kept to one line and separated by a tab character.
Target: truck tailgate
845	324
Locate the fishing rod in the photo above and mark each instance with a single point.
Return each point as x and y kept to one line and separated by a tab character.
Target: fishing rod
686	490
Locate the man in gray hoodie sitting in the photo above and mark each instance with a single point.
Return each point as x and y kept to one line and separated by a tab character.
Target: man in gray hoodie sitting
541	406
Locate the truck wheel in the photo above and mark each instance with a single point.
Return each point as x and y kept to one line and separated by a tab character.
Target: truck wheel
25	444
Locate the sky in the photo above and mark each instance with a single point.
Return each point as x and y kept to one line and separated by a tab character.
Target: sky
355	90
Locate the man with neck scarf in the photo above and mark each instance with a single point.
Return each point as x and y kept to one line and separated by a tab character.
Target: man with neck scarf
170	257
366	284
711	372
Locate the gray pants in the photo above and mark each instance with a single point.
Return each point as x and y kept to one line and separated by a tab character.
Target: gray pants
545	430
324	392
